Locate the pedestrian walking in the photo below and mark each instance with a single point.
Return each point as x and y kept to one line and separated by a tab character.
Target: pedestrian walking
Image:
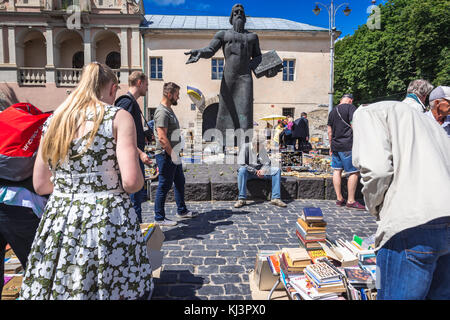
138	87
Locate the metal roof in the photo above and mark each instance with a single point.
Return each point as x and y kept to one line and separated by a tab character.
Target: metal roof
174	22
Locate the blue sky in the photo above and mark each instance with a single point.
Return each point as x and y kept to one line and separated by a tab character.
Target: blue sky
296	10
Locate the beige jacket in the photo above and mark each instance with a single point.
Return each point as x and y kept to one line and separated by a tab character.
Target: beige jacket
404	160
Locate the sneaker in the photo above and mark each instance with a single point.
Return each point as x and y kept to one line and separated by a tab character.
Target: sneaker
278	203
187	215
340	203
166	223
356	205
240	203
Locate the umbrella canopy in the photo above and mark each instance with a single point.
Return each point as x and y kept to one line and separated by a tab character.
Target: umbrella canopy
273	117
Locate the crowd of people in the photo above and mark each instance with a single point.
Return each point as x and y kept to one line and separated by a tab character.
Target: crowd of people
290	132
81	238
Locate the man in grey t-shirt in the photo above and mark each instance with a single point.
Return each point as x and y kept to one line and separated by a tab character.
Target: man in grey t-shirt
168	139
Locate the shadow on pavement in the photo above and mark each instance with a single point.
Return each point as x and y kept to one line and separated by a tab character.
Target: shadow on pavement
177	285
205	223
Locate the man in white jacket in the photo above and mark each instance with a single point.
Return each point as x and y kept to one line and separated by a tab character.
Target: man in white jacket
404	161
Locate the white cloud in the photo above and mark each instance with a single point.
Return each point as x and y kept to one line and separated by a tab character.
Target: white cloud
169	2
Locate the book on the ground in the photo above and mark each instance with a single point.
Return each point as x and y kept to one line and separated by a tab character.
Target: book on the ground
312	214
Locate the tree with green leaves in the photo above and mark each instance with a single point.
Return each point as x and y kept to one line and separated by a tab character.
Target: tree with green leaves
413	43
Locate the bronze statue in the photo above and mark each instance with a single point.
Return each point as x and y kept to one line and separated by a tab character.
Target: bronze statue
236	90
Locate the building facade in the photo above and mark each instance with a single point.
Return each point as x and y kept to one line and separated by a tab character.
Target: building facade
45	43
301	87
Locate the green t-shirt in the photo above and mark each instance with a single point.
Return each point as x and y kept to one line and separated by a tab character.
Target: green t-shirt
165	118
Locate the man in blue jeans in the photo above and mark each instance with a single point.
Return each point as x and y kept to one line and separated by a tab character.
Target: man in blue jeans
256	165
404	158
138	87
168	139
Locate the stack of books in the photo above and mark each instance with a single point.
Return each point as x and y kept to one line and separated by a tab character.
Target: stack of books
294	260
311	228
325	278
307	291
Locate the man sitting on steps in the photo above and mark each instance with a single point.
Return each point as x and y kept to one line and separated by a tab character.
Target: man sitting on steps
257	165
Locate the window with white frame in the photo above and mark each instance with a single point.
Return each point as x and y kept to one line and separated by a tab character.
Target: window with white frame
156	68
288	70
217	68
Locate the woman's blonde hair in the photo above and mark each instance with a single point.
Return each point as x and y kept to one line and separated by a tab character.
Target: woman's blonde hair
72	113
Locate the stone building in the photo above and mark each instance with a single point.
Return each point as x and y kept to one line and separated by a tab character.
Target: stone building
302	86
45	43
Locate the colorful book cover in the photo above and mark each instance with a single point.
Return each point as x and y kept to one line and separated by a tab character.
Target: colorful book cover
357	275
274	263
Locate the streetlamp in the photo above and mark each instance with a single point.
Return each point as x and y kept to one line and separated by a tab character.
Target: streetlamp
332	10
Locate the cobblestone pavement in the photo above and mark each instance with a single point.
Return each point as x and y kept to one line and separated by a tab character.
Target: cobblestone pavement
210	257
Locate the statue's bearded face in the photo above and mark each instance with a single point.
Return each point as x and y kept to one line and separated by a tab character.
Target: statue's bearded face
238	18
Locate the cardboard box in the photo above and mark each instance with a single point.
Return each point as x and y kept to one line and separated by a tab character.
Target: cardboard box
264	295
154	245
263	276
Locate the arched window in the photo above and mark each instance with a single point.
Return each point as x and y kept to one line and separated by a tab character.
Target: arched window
78	60
113	60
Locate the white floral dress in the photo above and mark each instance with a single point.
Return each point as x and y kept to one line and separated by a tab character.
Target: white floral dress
88	244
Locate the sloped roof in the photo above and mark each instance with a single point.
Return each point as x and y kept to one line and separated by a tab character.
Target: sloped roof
174	22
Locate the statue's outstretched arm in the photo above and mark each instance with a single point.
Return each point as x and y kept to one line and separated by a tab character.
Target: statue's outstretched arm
207	52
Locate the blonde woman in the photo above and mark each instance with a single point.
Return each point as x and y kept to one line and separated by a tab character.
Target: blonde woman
88	244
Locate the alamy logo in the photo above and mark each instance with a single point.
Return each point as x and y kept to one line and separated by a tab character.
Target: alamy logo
74	20
374	20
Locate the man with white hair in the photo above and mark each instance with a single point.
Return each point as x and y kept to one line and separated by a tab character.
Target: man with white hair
255	163
417	93
404	161
440	107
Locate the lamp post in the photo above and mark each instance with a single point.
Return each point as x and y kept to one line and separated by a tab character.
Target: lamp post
332	10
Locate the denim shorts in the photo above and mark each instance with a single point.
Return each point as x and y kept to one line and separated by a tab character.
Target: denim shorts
343	160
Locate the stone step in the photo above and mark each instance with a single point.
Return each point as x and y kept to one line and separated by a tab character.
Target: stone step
203	187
